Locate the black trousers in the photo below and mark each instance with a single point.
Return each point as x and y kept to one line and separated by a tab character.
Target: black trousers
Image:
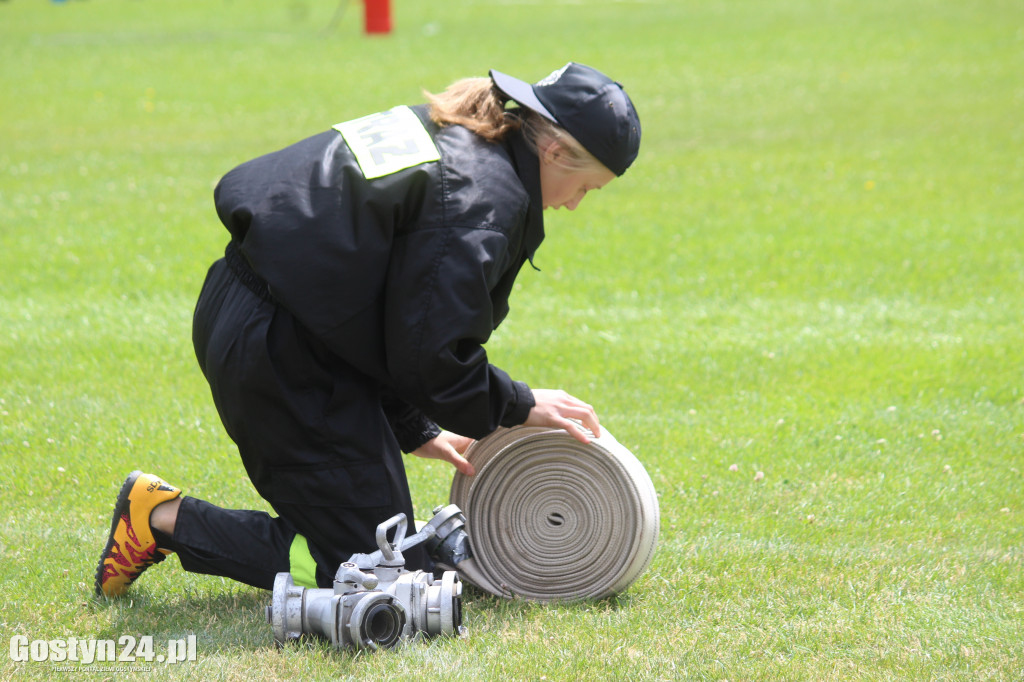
311	433
248	546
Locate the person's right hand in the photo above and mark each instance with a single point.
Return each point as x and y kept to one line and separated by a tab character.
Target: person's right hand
558	409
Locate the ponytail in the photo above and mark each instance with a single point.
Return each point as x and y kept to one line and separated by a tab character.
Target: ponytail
473	103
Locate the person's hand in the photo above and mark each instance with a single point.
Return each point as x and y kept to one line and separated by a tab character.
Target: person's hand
449	447
560	410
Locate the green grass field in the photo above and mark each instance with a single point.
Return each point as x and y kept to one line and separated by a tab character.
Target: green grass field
814	271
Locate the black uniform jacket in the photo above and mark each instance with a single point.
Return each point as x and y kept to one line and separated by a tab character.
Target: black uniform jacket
405	276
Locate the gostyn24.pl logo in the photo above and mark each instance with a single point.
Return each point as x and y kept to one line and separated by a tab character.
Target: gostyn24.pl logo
86	651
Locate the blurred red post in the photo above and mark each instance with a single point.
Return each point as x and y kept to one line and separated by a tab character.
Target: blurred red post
378	16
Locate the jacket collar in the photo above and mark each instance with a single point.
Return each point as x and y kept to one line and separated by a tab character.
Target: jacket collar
528	168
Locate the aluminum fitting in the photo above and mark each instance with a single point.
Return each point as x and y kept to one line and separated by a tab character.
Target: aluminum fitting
370	607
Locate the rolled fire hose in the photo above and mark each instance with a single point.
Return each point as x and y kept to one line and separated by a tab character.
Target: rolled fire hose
552	519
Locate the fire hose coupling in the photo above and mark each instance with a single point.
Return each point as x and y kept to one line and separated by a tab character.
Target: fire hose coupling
375	603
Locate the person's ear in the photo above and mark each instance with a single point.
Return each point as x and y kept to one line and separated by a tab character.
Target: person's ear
551	151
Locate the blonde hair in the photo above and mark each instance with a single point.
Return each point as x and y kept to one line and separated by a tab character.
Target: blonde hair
476	104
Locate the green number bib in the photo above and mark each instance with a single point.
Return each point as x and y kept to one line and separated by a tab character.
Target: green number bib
387	142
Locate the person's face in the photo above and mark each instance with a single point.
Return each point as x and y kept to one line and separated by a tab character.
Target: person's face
563	187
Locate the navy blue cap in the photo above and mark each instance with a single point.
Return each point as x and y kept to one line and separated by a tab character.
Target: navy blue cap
591	107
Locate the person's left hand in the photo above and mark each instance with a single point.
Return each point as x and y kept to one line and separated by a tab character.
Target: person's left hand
450	447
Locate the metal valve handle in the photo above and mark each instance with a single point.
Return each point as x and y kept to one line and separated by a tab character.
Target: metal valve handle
392	552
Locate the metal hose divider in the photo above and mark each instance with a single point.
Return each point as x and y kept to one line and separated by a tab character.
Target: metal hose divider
552	519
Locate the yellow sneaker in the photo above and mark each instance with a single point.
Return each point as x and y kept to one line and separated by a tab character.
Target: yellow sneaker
131	548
